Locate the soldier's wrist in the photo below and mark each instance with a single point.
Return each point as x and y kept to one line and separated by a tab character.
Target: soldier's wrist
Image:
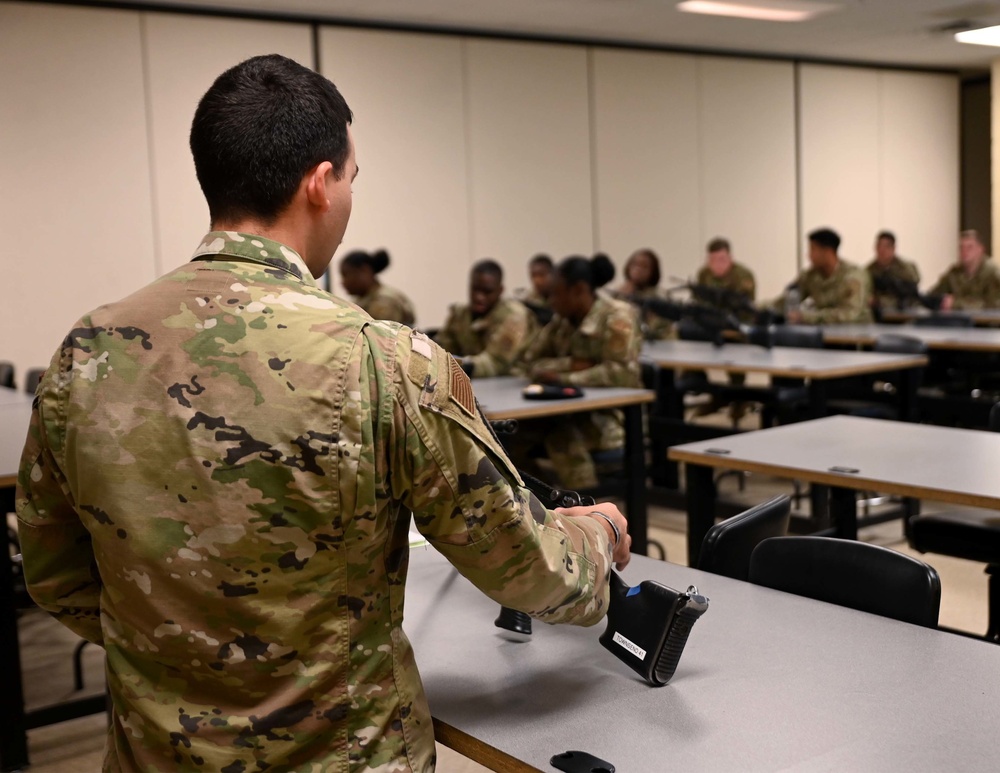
616	534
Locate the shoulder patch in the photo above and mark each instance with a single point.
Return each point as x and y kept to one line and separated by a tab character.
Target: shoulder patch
421	344
461	388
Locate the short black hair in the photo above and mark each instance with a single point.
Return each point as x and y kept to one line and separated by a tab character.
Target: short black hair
825	237
488	266
377	261
541	259
718	244
654	277
595	272
259	129
887	235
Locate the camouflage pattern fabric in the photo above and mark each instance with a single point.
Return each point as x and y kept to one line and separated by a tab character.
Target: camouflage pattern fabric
389	304
738	280
493	342
898	270
841	297
217	487
979	291
602	351
652	326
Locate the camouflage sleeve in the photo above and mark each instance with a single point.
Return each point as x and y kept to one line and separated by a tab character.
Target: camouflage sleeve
468	501
851	306
59	565
748	286
943	285
503	346
538	351
984	295
445	337
619	365
911	273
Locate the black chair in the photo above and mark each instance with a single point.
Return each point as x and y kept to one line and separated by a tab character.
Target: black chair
945	320
32	378
852	574
968	533
7	374
877	397
728	545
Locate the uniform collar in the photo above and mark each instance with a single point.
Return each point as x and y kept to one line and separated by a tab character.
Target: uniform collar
250	248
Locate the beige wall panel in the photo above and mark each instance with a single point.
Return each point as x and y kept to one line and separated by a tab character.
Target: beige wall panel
529	151
841	181
646	179
411	195
75	208
748	180
184	55
919	166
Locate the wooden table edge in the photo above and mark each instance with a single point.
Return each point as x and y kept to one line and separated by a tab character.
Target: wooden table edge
570	405
478	751
841	480
917	361
8	481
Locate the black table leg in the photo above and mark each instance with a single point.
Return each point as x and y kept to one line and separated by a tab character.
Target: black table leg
844	508
700	486
669	406
817	398
635	494
13	723
909	379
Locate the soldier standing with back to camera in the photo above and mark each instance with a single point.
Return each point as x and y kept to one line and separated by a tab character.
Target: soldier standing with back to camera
220	468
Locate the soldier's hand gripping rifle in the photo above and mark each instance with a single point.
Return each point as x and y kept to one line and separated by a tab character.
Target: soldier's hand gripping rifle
648	624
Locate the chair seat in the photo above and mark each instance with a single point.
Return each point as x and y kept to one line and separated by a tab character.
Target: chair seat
970	534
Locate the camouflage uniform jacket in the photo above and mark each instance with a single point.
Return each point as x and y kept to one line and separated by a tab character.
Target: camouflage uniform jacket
608	339
652	326
492	343
898	270
979	291
389	304
216	487
841	297
739	280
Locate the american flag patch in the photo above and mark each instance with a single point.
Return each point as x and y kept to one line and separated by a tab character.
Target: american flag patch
461	388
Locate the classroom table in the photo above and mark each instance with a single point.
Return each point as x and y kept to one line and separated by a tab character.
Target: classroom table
968	339
768	681
980	317
501	399
819	367
848	454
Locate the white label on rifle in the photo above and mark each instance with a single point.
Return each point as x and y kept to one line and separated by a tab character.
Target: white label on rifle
635	649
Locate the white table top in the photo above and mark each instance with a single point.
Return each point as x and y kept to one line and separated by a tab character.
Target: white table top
768	681
14	397
779	361
918	460
961	338
501	399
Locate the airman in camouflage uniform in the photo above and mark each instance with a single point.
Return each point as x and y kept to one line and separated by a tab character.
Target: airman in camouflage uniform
973	282
831	290
217	483
733	283
489	334
389	304
603	351
894	280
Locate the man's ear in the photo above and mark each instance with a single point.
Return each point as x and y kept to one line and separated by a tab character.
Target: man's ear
315	185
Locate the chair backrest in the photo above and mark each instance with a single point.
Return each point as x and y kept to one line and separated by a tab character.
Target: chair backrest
728	545
802	336
689	330
852	574
7	374
891	343
944	320
31	379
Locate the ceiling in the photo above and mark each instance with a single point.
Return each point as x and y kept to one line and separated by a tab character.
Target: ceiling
896	32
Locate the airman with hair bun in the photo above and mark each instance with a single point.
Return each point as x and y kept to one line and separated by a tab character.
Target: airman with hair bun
359	272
